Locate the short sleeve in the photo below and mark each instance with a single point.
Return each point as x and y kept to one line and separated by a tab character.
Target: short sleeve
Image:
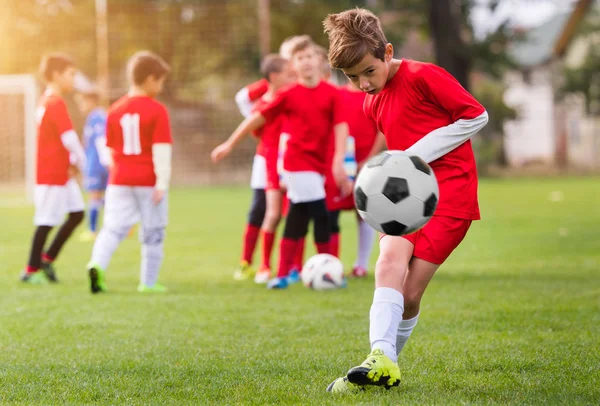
277	106
257	89
162	128
60	117
441	88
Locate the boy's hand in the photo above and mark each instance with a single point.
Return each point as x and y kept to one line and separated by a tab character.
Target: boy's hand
73	171
220	152
342	180
157	196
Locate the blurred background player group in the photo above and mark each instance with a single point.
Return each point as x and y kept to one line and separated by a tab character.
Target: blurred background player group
312	138
133	140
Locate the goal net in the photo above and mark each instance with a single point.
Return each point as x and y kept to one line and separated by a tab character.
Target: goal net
18	98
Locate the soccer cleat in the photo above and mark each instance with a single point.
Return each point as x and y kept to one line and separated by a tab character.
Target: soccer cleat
377	369
262	276
156	288
96	274
277	283
293	277
343	386
49	271
34	278
243	272
358	272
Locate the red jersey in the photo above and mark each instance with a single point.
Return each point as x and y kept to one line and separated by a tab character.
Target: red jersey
268	135
257	89
133	125
310	114
52	157
420	98
362	128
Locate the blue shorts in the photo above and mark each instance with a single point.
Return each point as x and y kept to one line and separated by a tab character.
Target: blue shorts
96	181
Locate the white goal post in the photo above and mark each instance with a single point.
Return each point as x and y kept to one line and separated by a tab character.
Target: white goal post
22	134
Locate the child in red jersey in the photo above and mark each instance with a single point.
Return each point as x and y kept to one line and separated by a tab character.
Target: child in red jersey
422	109
247	99
279	73
139	137
364	141
56	193
313	110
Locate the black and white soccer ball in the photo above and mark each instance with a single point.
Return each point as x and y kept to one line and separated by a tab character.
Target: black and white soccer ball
323	272
396	193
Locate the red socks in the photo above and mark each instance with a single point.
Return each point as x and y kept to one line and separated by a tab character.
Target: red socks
267	248
287	251
47	259
334	244
298	255
323	247
250	238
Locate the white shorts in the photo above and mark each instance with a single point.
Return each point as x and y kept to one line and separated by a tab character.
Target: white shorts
128	205
258	179
305	186
54	202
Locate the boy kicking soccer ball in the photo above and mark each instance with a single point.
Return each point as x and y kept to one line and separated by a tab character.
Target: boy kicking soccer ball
56	193
139	137
422	109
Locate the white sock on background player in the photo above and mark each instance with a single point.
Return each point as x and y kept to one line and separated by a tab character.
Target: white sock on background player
385	317
405	329
105	246
366	236
152	257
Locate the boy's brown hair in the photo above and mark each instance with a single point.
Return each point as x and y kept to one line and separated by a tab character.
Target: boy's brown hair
145	63
352	35
272	63
55	62
301	43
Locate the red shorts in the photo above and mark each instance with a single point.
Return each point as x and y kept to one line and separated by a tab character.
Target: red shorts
333	201
436	241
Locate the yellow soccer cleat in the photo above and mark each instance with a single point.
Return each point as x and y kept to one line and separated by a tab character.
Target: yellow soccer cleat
343	386
243	272
377	369
156	288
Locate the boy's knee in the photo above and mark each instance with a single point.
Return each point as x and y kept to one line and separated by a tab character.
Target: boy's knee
152	236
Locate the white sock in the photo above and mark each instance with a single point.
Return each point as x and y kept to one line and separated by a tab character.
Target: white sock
152	256
105	246
405	329
366	236
386	315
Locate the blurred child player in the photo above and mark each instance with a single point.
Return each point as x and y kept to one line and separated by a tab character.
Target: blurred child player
56	193
97	158
422	109
139	138
279	73
312	108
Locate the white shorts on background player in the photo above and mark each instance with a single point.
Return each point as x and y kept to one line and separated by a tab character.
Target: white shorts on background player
128	205
305	186
54	202
258	180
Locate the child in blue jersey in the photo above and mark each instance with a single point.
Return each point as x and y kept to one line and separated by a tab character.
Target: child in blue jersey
98	159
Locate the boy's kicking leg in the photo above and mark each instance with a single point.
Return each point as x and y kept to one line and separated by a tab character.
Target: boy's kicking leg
380	367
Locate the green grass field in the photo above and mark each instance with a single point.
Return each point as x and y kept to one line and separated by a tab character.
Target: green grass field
512	318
